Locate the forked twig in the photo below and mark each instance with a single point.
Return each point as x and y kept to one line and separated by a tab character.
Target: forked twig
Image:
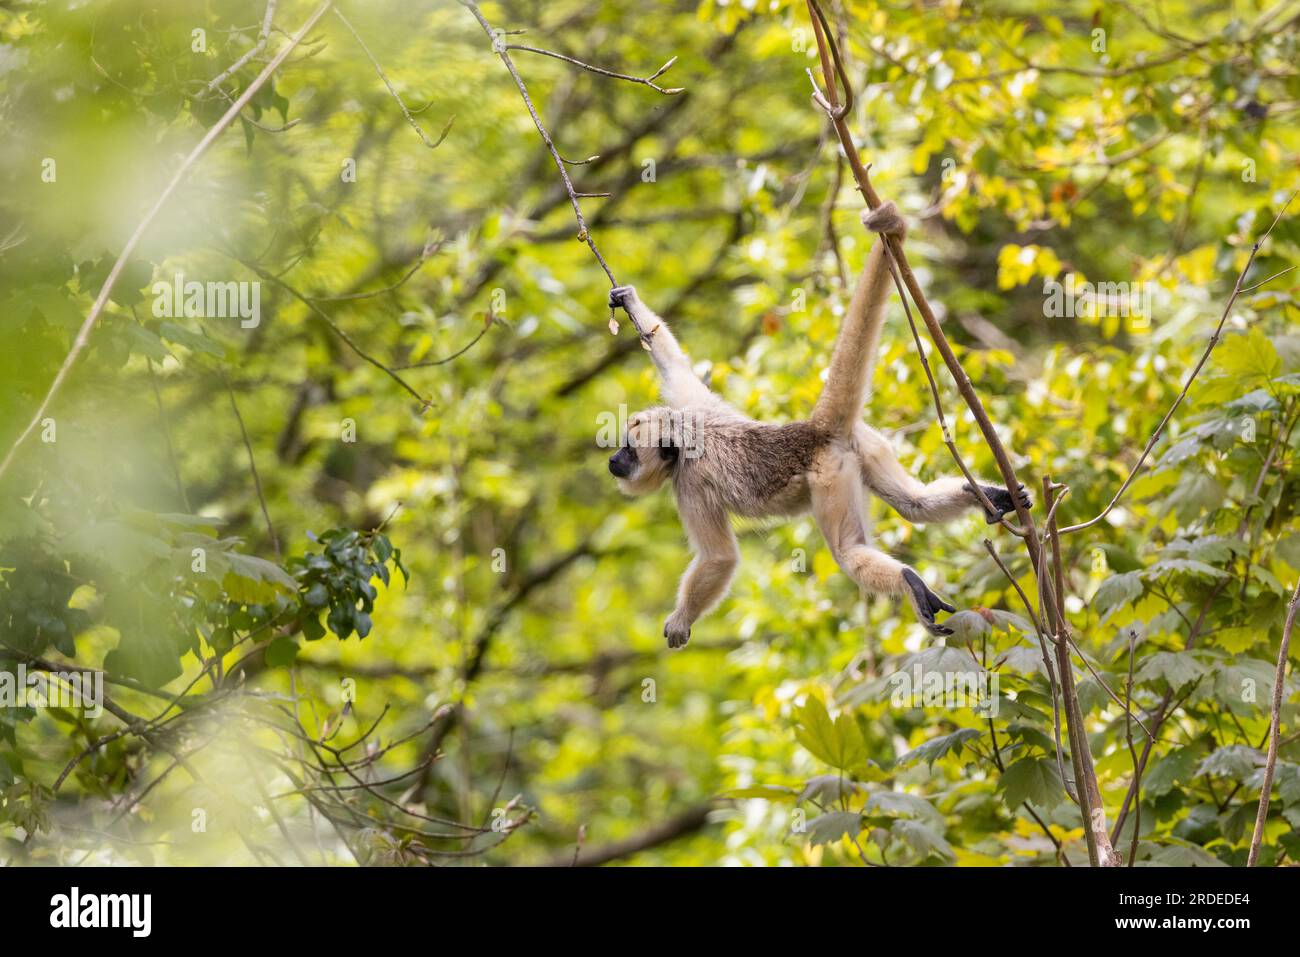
644	80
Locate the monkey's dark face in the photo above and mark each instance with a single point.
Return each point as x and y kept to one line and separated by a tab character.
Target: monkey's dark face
623	462
648	454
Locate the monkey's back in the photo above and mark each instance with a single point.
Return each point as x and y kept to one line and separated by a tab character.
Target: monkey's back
753	469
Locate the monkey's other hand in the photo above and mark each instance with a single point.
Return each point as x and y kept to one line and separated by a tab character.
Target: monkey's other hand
926	603
677	631
885	218
621	296
1003	502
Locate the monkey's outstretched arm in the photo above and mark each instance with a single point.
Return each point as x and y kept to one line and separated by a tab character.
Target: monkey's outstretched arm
839	406
679	383
709	573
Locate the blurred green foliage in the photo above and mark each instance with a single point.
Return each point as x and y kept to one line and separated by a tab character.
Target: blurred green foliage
1027	141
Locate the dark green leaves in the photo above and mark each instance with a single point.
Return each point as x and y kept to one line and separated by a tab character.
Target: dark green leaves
337	580
1035	780
1115	592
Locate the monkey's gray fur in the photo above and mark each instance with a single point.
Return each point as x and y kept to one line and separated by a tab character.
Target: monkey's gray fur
723	463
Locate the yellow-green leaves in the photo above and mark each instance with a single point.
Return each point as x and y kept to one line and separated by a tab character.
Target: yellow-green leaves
837	742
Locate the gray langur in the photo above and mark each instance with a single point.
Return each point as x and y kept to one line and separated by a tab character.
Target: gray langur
723	463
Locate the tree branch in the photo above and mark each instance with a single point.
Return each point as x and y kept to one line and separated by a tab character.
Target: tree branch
1275	727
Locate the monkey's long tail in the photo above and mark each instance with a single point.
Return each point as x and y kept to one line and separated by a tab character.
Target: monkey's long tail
839	407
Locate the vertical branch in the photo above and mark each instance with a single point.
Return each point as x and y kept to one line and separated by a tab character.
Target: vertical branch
831	67
1275	729
833	73
252	466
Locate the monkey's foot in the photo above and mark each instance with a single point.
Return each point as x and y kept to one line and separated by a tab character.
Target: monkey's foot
676	632
620	296
1002	501
926	603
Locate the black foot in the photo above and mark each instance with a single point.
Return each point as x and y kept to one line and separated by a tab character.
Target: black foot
927	603
1001	500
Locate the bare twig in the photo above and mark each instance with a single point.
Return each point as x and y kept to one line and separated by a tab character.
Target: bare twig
430	249
646	80
432	144
262	34
252	466
425	404
488	323
1196	370
1132	751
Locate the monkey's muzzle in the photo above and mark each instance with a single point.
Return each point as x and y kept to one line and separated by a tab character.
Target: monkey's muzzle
622	462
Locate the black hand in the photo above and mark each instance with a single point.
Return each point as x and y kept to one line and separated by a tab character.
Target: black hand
620	296
1002	501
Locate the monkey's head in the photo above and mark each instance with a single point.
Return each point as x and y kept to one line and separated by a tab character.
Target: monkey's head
649	453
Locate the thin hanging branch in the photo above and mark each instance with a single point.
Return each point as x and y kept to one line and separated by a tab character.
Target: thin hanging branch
325	317
502	50
83	334
252	467
432	144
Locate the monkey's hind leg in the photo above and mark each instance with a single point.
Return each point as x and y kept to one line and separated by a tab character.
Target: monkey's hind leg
836	491
939	501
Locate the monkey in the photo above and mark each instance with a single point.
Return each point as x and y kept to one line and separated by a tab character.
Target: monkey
722	463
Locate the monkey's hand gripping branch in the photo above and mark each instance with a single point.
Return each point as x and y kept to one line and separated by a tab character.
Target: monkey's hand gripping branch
625	298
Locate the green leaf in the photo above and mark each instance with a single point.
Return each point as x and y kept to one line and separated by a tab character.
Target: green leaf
281	652
901	804
260	570
1234	761
922	839
190	340
940	747
1115	592
833	825
146	654
1174	768
1195	493
1247	356
1177	668
839	743
1175	854
1035	780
